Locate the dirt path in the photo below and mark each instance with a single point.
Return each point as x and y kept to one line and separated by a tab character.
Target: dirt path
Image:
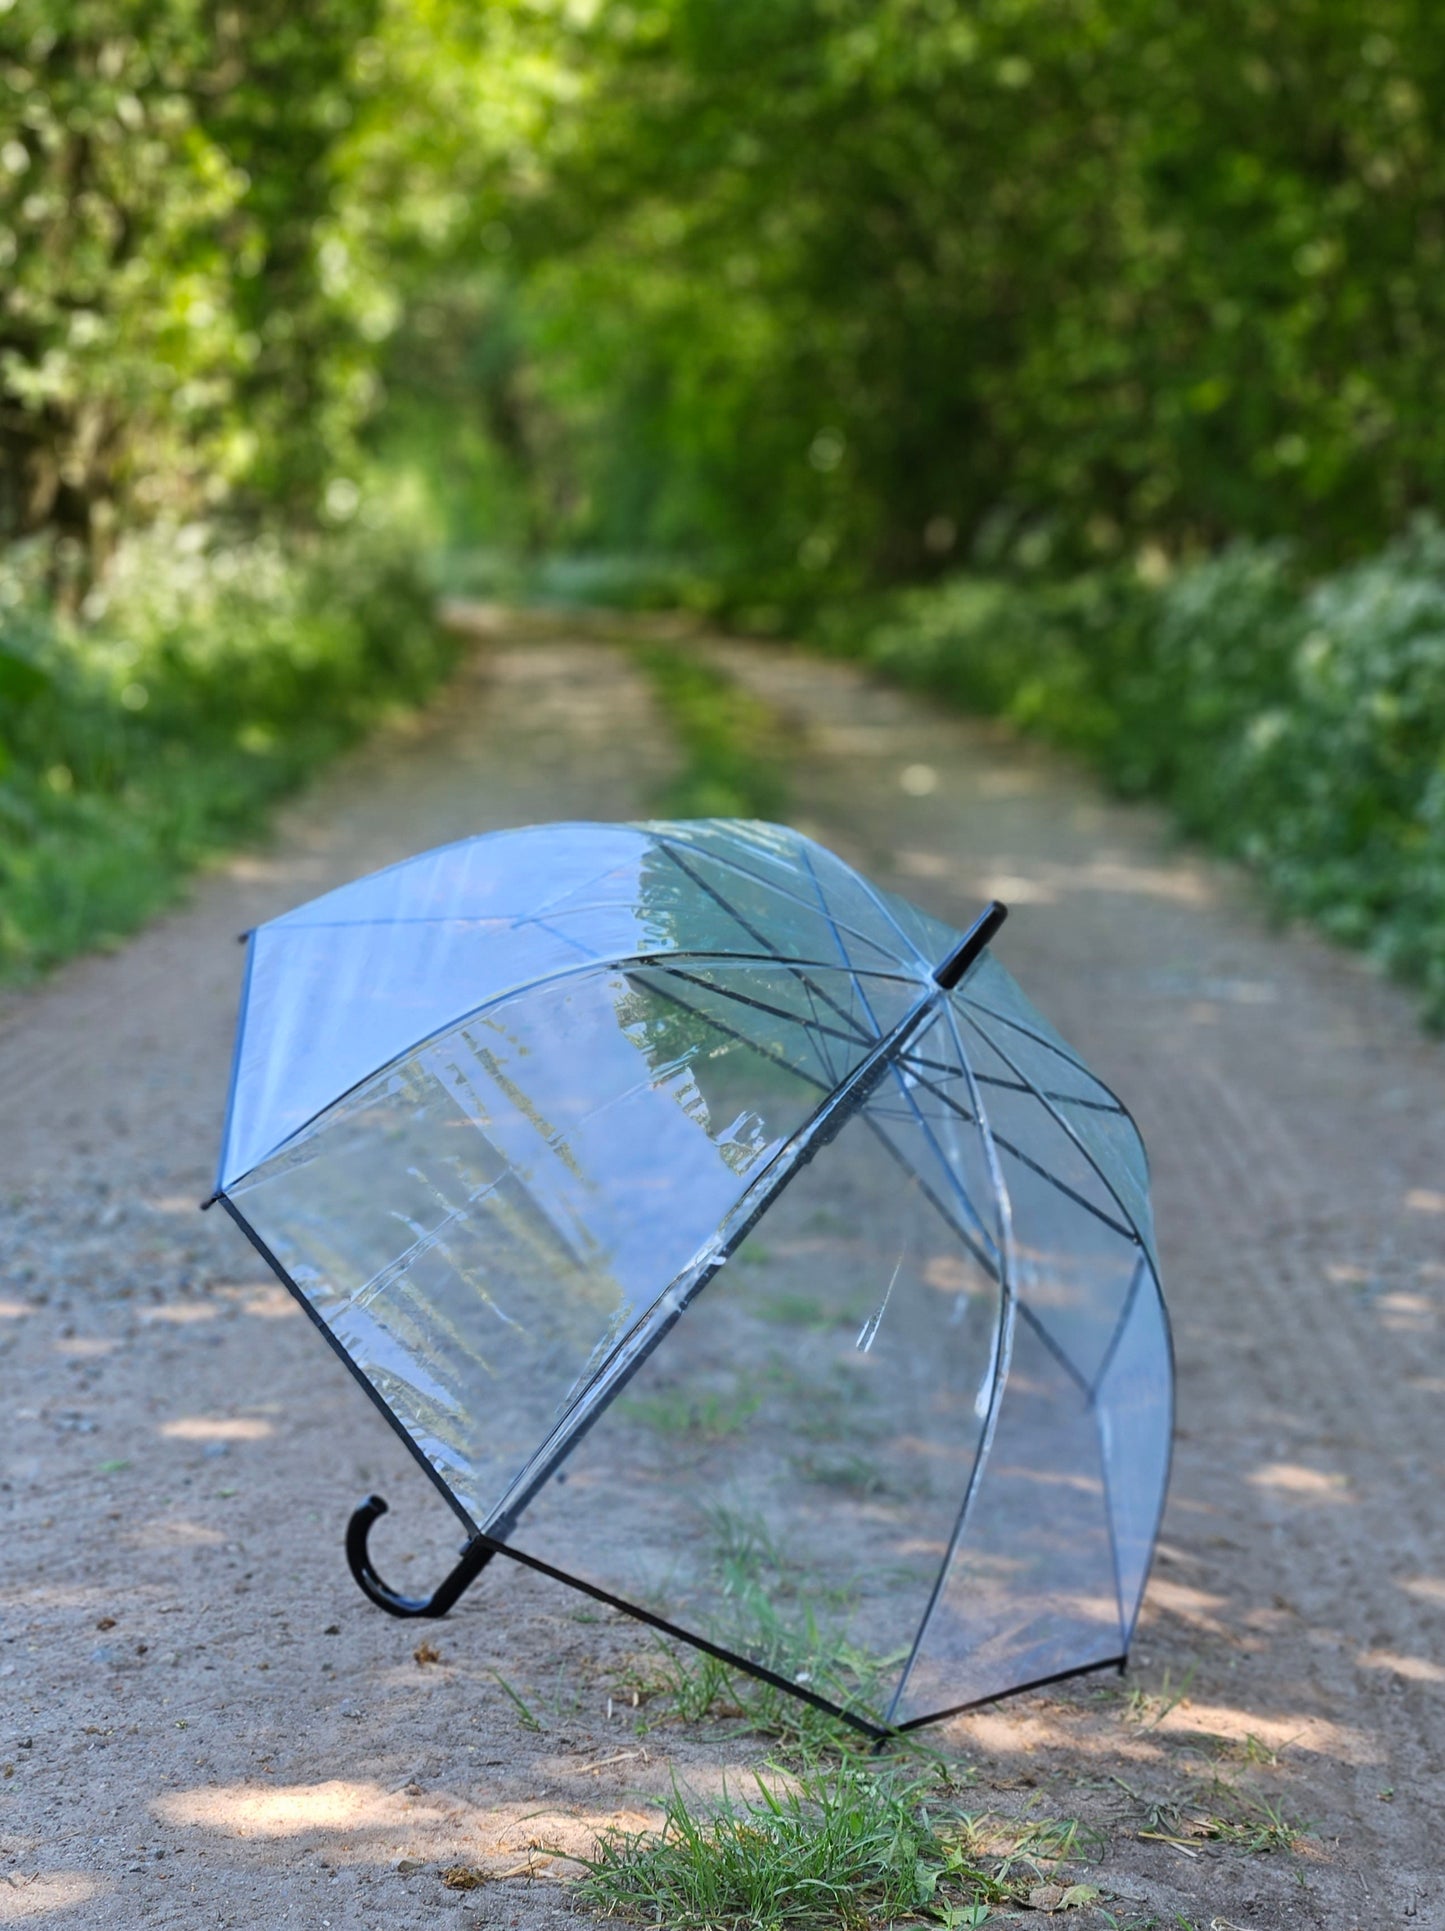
201	1723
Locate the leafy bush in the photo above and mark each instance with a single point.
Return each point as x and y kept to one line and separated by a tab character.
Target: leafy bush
202	682
1298	726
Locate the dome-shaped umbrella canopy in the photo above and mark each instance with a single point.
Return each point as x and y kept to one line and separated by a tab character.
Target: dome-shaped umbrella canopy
709	1251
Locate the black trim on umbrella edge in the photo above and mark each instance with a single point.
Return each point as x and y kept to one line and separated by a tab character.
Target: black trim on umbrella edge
1018	1689
483	1547
397	1427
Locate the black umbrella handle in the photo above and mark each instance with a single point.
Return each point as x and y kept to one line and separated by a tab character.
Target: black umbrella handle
475	1557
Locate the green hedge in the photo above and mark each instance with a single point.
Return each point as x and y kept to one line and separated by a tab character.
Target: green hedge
152	730
1297	725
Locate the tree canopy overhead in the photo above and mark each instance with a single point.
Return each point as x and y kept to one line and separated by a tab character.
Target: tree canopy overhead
845	287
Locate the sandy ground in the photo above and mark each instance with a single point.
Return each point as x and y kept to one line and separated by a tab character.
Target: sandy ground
201	1721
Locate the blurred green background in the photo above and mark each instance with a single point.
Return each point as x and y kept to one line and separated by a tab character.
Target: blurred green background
1077	358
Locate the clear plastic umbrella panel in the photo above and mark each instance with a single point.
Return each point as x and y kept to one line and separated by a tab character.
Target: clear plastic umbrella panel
727	1238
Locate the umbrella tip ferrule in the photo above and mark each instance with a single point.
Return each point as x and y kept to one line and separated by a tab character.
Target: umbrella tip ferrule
978	935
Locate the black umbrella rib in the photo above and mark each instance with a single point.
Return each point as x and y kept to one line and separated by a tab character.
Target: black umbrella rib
985	1260
769	1053
1114	1104
845	960
1019	1085
1062	1186
877	1732
723	864
1129	1230
968	948
1007	1146
909	944
854	1038
823	1035
1017	1689
1119	1326
752	931
1030	1315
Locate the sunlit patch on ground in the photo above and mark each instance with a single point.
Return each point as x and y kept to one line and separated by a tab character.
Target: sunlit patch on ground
216	1428
264	1301
181	1314
1302	1484
1425	1200
174	1532
24	1896
1429	1589
1193	1606
1317	1735
293	1810
1406	1313
1414	1669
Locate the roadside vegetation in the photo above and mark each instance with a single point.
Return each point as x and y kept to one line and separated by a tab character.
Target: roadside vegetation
1294	722
151	730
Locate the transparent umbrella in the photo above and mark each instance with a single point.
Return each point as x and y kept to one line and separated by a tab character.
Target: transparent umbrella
726	1238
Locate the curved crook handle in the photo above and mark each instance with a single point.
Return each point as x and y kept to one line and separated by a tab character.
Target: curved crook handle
475	1557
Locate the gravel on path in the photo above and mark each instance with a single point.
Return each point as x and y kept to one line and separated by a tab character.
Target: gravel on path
202	1723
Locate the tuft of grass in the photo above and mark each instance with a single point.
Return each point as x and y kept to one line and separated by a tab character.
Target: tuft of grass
767	1608
840	1844
689	1686
526	1716
849	1474
798	1311
1219	1813
1150	1707
733	745
1245	1821
844	1843
706	1415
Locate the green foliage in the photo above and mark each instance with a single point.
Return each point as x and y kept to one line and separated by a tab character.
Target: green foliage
835	289
1296	725
204	681
184	311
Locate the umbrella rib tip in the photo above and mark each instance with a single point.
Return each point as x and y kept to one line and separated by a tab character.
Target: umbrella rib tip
978	935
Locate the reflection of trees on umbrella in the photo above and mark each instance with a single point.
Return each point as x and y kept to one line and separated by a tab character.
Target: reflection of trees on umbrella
551	1116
